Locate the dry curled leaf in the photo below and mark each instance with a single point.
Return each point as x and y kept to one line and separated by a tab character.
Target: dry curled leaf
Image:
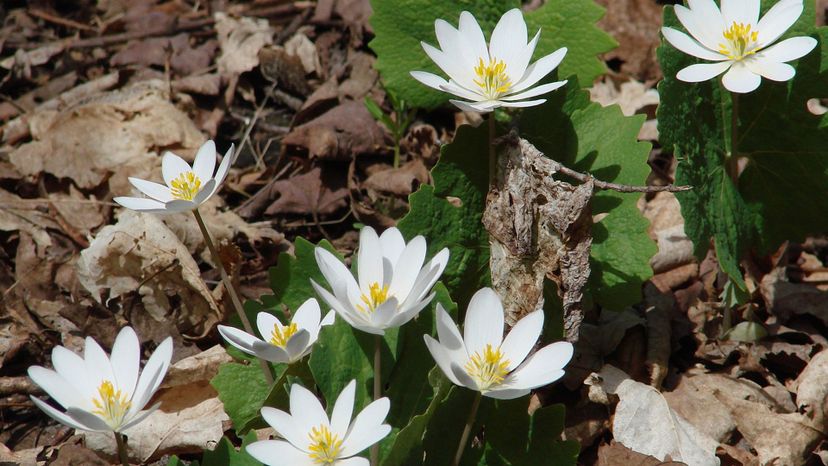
240	41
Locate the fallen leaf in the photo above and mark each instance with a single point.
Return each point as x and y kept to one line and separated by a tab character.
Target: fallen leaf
616	454
174	51
343	132
240	41
139	253
644	422
785	299
812	389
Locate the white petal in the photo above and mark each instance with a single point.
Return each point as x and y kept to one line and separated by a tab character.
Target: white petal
706	27
296	345
72	368
788	49
441	356
454	66
484	321
507	393
139	417
523	103
429	79
369	261
308	316
343	410
536	71
126	360
238	338
97	362
57	387
470	30
383	314
266	323
333	269
341	309
275	354
141	204
509	41
392	243
702	71
157	191
521	59
172	166
476	107
305	409
778	20
355	461
740	79
179	205
229	159
328	319
57	415
89	420
449	335
277	453
152	375
408	268
206	191
428	276
773	70
285	426
689	46
367	428
205	161
535	91
542	368
522	338
740	11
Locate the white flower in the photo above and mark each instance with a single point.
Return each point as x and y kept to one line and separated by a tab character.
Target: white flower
484	361
187	187
102	394
284	343
393	282
312	439
738	42
489	77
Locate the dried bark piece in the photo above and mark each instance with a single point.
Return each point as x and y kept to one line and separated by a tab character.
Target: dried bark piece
539	228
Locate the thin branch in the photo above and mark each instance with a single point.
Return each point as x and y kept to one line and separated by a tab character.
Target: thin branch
555	166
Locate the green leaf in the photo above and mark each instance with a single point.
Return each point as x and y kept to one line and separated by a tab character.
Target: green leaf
225	453
176	461
518	439
603	142
400	25
242	389
783	192
462	174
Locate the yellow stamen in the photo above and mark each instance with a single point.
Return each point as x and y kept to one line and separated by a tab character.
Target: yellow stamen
185	186
741	41
280	336
488	369
325	447
492	78
112	405
378	295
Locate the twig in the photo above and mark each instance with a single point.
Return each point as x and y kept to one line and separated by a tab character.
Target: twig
555	166
58	20
256	115
14	385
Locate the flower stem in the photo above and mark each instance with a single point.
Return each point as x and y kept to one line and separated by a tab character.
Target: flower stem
120	440
492	151
467	430
733	158
231	289
377	389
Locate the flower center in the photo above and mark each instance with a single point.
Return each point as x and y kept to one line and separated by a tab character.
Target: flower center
112	405
740	41
185	186
488	369
280	335
378	294
492	78
325	447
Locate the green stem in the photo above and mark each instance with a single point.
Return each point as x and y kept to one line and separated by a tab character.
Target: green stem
733	159
464	439
377	389
120	440
492	151
231	289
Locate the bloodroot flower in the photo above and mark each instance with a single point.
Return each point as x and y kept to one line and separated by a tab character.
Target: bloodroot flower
313	439
102	394
393	285
484	361
488	77
187	187
737	41
283	343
